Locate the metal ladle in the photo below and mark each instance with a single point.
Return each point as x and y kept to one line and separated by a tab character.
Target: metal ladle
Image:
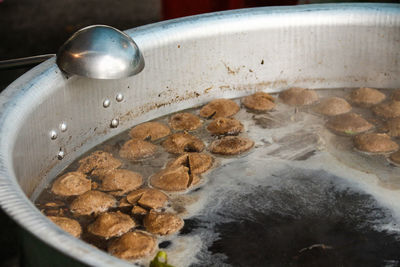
98	51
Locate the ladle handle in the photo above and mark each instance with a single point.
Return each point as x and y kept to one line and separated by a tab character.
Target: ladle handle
23	62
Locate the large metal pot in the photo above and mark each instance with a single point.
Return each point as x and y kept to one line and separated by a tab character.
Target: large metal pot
47	119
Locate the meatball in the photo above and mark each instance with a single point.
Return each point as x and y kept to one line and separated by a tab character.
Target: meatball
92	202
133	245
137	210
395	95
196	162
375	143
173	179
110	224
298	96
395	157
349	124
366	97
231	145
392	127
185	121
182	142
71	184
98	163
388	110
225	126
259	101
136	149
219	108
161	223
68	225
150	131
148	198
119	182
123	203
332	106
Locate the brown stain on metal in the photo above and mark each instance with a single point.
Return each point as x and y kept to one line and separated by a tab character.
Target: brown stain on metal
232	71
207	90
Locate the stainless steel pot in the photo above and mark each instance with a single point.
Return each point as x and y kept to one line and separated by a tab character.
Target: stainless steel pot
47	119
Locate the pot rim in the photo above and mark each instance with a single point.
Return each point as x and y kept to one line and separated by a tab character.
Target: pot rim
14	201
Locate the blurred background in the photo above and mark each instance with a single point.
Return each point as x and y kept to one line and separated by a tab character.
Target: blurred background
34	27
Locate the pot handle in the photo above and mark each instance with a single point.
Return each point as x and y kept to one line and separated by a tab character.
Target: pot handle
23	62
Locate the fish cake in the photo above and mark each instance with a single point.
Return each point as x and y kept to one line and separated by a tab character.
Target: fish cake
119	182
71	184
98	163
136	149
185	122
387	110
298	97
70	226
395	157
172	179
92	202
180	143
133	245
231	145
147	197
150	131
366	97
219	108
162	223
332	106
348	124
259	101
111	224
375	143
392	127
196	162
395	95
225	126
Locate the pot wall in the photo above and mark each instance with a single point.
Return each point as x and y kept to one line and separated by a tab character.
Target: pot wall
188	62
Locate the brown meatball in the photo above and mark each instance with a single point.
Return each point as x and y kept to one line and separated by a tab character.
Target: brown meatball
98	163
185	121
395	95
225	126
71	184
123	203
388	110
110	224
349	124
395	157
150	131
332	106
161	223
92	202
173	179
219	108
196	162
133	245
231	145
68	225
148	198
182	142
136	149
366	97
119	182
298	96
375	143
392	127
137	210
259	101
